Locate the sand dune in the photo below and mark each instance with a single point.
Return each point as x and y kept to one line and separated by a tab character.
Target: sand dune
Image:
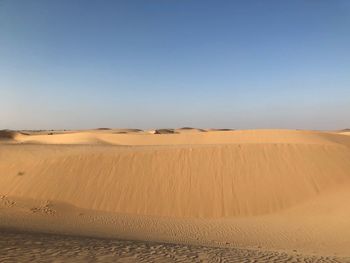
254	187
182	181
345	133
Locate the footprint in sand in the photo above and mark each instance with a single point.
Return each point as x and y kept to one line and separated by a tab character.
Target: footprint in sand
6	202
46	209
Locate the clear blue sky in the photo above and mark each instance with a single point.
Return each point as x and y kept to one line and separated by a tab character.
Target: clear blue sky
236	64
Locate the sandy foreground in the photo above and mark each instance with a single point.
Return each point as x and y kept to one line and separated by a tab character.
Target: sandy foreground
182	195
29	247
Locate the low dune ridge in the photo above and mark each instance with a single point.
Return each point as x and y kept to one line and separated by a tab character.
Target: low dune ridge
223	129
256	181
103	129
167	137
345	132
189	129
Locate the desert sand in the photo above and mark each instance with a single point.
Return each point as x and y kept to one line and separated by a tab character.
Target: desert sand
269	192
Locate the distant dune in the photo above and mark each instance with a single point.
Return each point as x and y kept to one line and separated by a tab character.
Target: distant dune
255	187
189	129
220	130
345	132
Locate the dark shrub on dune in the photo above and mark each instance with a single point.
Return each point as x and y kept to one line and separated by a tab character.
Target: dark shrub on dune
164	131
7	135
125	131
223	129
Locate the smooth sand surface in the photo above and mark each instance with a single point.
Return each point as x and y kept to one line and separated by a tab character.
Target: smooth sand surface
266	190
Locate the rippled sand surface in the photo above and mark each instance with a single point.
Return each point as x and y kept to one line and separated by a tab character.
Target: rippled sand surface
28	247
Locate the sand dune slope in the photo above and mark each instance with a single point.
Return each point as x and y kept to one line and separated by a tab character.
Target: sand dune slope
263	189
248	175
345	133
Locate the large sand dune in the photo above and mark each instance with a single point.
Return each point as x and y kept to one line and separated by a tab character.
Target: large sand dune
248	183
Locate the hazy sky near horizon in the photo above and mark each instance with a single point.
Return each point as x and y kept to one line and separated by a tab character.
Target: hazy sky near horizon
73	64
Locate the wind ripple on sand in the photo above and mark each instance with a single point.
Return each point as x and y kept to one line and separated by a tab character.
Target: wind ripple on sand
55	248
